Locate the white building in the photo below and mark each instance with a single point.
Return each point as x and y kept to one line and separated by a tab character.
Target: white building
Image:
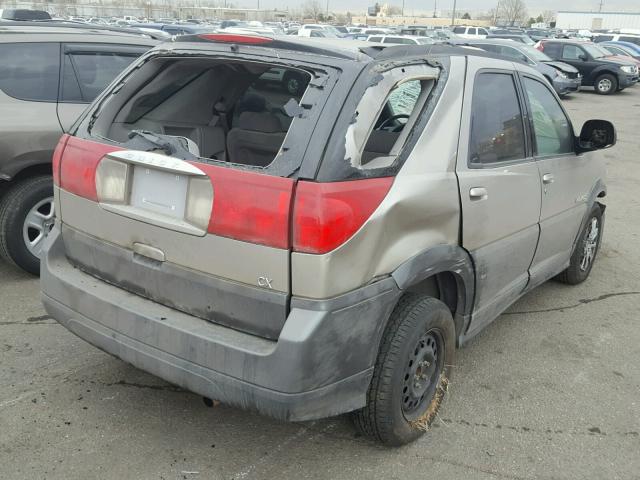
598	20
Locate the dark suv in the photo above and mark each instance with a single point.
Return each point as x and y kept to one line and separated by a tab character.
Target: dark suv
607	75
48	77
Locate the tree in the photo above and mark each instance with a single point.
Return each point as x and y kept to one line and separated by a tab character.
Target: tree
466	16
548	16
312	9
512	11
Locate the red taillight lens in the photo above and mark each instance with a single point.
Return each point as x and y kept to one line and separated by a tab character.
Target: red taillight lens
328	214
236	38
249	206
57	156
78	165
540	46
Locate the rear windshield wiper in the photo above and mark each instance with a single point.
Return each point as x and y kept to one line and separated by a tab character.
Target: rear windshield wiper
172	146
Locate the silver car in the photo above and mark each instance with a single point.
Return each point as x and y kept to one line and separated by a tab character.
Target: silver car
49	75
306	256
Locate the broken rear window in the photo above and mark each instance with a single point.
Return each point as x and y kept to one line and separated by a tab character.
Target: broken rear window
236	112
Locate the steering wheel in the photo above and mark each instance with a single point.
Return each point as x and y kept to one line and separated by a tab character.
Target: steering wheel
391	119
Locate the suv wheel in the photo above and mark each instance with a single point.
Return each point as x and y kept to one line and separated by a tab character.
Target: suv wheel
411	373
293	83
606	84
586	249
26	218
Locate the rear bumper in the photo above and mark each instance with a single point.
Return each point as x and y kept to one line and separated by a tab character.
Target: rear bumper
320	366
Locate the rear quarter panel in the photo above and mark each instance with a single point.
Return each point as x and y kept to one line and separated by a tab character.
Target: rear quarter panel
421	210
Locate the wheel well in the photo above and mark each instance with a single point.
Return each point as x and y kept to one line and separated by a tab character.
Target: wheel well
28	172
603	72
33	171
445	287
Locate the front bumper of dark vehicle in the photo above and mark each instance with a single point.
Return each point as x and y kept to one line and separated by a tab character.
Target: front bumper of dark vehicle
627	80
321	364
564	86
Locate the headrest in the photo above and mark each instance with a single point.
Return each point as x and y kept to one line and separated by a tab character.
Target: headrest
259	122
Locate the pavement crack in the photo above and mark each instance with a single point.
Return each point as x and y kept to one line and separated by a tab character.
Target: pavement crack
581	302
166	388
588	431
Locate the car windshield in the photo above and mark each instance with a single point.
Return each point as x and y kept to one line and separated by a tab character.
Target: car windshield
534	53
595	51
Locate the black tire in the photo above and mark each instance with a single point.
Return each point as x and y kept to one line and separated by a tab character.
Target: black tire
578	271
388	416
606	80
16	203
293	84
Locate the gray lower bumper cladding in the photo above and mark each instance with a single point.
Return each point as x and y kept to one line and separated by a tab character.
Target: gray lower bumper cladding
320	365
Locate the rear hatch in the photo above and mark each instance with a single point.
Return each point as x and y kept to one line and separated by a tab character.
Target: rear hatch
178	184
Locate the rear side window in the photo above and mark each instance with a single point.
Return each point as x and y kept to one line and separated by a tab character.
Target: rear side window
472	31
459	30
375	39
386	116
572	52
603	38
513	53
30	71
497	130
635	40
86	74
553	132
400	40
553	49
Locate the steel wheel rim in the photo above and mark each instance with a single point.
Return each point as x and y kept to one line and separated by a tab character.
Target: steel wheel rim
604	85
422	374
37	225
590	245
292	85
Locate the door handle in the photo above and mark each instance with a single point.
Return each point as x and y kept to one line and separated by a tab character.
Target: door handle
548	178
478	193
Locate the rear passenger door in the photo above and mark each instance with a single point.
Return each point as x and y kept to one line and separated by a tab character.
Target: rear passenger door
87	70
499	188
566	179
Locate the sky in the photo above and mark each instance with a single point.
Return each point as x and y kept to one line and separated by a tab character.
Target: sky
417	6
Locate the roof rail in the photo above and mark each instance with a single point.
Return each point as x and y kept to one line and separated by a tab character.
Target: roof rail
79	26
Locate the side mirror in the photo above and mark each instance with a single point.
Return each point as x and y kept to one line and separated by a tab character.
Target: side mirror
595	135
583	57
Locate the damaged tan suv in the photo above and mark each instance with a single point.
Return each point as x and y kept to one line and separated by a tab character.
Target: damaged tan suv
309	255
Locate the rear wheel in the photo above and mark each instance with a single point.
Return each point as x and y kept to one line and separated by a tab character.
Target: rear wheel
586	249
293	83
26	218
606	84
412	372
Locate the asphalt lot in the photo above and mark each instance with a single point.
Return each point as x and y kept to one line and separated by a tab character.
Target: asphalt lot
549	390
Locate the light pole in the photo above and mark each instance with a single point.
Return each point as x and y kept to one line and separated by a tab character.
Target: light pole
453	15
435	8
402	12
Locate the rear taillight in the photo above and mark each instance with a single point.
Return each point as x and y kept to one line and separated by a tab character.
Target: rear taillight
57	156
326	215
540	46
78	165
249	206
